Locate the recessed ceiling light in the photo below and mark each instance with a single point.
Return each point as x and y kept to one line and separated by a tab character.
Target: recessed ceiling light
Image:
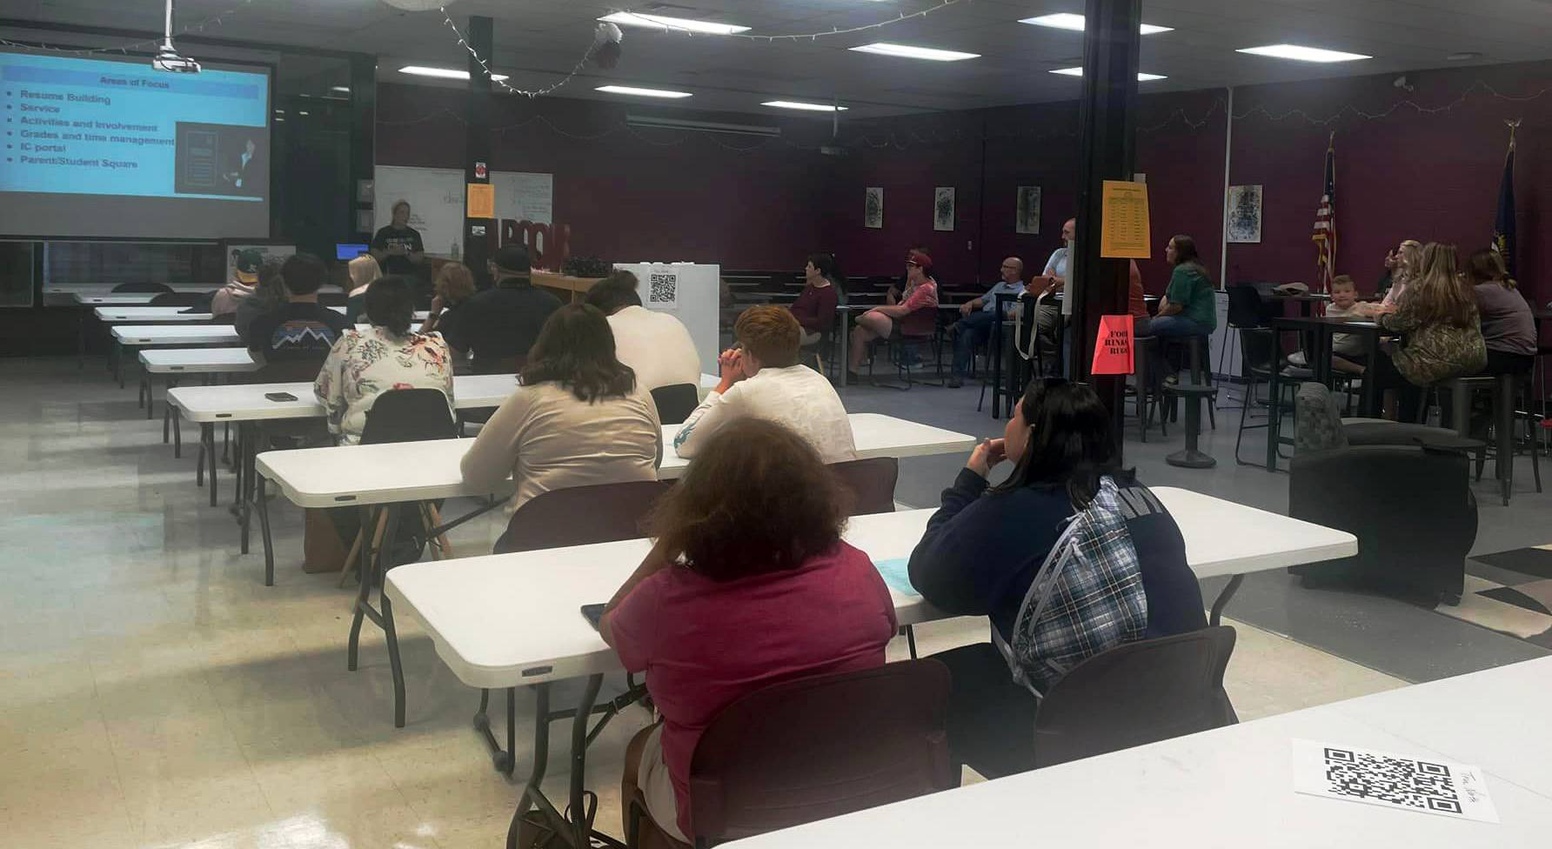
1141	77
884	48
1463	56
641	92
301	113
637	19
806	107
441	73
1074	22
1303	54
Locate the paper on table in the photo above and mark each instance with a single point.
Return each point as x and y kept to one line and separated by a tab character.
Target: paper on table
897	575
1391	781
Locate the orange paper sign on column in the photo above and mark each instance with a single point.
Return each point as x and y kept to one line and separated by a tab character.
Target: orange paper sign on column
1113	348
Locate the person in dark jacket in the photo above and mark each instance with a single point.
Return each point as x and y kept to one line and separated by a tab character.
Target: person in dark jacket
815	306
982	550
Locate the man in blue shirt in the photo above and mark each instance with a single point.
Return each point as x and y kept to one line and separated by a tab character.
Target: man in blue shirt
979	315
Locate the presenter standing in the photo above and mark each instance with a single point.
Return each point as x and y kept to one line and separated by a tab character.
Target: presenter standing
397	247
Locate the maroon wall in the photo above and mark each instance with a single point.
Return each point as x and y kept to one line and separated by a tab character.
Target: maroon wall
1403	171
632	194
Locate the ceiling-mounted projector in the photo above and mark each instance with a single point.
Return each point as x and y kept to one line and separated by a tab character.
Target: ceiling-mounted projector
168	59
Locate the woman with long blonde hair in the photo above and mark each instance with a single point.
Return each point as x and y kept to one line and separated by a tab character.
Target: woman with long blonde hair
1437	319
362	270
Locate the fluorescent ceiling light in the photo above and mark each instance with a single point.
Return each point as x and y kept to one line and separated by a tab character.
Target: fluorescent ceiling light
342	89
441	73
1141	77
641	92
884	48
637	19
1303	54
1074	22
806	107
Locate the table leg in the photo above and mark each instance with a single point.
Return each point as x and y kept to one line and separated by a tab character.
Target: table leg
373	565
844	355
1371	394
502	758
395	664
996	345
209	436
1503	464
269	548
577	832
80	354
118	363
1223	599
248	449
177	433
364	573
1274	406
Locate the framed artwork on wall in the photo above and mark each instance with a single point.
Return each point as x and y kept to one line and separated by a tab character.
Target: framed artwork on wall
943	208
1244	215
873	208
1026	219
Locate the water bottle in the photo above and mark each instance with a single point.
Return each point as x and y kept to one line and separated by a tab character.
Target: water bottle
454	252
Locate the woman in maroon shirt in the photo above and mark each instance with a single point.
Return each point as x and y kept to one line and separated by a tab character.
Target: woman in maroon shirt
815	307
748	585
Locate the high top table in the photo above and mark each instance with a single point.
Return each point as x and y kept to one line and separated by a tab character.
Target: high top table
510	620
1233	787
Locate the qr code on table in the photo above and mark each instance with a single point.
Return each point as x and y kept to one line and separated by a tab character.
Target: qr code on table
663	288
1397	781
1392	780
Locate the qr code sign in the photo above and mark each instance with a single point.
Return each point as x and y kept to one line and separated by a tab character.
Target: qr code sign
663	288
1398	781
1391	780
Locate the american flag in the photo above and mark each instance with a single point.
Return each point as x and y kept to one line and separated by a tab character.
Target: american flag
1325	222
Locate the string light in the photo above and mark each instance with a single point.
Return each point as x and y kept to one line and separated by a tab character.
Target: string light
208	23
463	42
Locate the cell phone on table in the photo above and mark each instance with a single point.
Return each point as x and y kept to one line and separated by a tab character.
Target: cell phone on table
592	613
280	396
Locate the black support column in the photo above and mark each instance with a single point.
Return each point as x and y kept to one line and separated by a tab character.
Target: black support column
478	233
1106	125
363	133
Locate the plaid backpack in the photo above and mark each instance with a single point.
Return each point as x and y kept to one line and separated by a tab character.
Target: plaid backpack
1087	597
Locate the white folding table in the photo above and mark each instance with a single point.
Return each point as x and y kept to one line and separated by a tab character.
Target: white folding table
511	620
175	362
246	405
1233	786
149	315
136	336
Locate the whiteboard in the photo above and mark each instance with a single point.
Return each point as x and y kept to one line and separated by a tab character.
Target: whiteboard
435	196
436	201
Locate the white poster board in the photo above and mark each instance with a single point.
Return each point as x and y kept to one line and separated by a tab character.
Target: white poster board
436	197
688	291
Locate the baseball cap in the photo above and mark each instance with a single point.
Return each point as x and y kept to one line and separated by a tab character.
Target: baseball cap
248	263
920	258
513	258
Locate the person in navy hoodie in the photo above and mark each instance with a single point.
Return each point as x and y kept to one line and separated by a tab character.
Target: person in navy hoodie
984	546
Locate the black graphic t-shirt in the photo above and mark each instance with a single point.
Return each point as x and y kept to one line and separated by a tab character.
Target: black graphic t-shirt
405	237
303	331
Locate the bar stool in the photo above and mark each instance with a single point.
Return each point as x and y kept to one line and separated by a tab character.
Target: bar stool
1146	395
1193	393
1506	389
1201	374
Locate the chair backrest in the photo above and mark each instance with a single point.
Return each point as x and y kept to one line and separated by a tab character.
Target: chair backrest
140	288
1134	694
871	482
408	415
1257	349
498	365
1246	308
1317	420
581	515
675	403
821	747
286	371
178	299
333	299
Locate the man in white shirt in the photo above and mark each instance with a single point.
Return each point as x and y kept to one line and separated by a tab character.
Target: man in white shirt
1052	281
655	345
761	378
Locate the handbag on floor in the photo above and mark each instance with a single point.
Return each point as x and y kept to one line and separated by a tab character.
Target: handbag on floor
322	549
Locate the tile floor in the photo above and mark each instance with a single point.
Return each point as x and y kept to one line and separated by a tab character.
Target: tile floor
154	694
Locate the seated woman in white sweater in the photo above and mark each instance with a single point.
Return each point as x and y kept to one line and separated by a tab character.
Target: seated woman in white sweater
761	378
578	418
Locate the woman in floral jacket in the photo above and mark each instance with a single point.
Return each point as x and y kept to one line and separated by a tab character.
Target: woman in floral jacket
364	364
